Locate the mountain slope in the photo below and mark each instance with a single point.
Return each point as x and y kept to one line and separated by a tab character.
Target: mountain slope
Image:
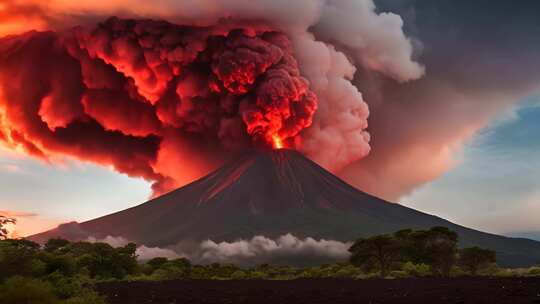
274	193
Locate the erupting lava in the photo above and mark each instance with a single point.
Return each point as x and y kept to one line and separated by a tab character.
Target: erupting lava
277	142
126	92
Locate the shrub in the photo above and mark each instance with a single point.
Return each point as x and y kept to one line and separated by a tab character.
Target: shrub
169	273
456	272
534	271
345	272
475	259
368	276
398	274
416	270
238	275
26	290
258	275
153	264
490	270
20	257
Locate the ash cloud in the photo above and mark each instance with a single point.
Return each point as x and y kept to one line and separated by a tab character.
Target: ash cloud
481	60
307	98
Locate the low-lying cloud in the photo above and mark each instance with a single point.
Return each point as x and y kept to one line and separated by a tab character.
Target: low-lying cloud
286	249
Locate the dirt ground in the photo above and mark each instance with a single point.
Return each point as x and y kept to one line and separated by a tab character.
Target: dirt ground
462	290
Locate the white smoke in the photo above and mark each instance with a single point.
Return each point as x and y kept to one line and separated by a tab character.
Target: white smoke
259	249
330	37
143	253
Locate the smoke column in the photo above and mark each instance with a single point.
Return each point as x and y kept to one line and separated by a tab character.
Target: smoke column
167	94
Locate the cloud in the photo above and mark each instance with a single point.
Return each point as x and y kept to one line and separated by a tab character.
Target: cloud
143	253
496	187
17	214
17	16
259	249
330	40
11	168
477	69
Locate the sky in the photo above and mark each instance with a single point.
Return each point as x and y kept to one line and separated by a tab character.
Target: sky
452	89
495	186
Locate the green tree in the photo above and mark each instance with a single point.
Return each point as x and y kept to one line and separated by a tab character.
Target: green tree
155	263
4	221
475	258
440	249
170	269
436	247
104	261
27	290
55	244
20	257
380	250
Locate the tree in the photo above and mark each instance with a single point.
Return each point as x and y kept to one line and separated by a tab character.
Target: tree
380	250
4	221
20	257
27	290
476	258
55	244
104	261
436	247
440	249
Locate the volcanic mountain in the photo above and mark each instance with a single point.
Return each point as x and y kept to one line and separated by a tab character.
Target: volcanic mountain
272	193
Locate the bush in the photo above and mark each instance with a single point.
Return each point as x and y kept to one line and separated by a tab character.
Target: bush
368	276
475	259
416	270
398	274
258	275
239	275
490	270
346	272
26	290
534	271
152	265
20	257
169	273
456	272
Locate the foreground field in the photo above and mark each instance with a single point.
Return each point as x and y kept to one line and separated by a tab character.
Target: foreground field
460	290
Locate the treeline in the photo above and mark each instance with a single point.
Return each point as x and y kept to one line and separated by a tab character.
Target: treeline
64	272
434	251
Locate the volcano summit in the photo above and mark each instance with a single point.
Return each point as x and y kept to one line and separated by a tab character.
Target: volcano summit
273	193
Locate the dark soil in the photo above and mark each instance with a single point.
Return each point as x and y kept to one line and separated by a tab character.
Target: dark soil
417	291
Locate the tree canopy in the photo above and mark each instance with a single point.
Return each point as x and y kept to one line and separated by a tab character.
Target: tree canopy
436	247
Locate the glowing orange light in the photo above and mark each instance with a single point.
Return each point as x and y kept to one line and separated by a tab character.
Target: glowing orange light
277	142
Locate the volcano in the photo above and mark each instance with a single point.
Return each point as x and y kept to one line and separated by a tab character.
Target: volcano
272	193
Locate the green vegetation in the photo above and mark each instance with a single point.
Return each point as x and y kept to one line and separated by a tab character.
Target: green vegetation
61	271
421	253
436	247
473	259
65	272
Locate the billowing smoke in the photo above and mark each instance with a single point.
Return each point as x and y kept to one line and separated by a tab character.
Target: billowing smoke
112	94
168	98
286	249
